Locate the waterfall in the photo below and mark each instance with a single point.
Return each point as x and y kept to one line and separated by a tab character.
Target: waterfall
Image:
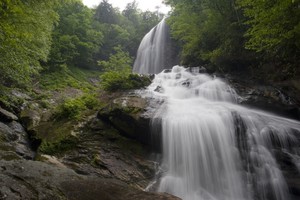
155	52
215	149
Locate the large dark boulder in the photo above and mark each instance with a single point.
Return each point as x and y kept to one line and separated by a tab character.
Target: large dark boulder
130	115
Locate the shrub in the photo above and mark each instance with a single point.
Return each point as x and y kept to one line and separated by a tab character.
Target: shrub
114	81
70	109
90	101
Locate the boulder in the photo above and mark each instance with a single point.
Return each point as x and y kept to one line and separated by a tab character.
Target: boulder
30	118
14	141
130	115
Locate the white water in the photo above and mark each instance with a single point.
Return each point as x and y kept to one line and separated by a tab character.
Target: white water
215	149
150	56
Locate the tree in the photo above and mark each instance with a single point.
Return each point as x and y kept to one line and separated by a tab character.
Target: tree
117	73
120	61
76	38
210	31
274	28
25	37
106	13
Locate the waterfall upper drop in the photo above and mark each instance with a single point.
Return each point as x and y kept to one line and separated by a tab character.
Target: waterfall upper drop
156	51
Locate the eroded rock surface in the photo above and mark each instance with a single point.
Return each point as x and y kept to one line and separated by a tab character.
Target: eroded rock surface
131	115
25	179
102	165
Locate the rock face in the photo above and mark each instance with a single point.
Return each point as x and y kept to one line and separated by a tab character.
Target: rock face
266	97
130	116
6	116
101	165
36	180
14	143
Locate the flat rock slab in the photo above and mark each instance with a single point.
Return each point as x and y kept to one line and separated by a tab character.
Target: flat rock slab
23	179
107	189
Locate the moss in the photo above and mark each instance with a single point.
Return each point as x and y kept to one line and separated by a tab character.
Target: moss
55	136
75	108
95	161
9	101
10	156
58	146
44	103
4	147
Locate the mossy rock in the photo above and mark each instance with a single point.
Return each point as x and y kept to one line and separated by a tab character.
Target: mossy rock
55	136
126	115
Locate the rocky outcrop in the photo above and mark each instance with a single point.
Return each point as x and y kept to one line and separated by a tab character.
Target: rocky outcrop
36	180
14	143
266	97
130	114
101	164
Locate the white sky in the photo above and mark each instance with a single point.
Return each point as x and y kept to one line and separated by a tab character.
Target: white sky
142	4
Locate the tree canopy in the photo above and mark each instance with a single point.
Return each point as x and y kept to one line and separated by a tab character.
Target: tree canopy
42	34
237	33
25	37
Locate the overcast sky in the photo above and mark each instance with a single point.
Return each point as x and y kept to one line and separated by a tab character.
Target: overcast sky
142	4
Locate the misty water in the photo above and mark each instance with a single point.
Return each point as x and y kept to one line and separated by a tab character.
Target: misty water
212	147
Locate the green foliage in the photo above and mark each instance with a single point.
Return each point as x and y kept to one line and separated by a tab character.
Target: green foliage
210	32
63	32
74	108
274	27
70	109
125	29
238	33
114	81
77	37
106	13
117	75
25	37
120	61
58	146
62	77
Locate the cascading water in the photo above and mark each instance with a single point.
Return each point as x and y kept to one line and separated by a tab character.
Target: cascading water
155	52
215	149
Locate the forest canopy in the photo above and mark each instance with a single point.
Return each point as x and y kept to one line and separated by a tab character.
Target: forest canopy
46	35
226	35
235	34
